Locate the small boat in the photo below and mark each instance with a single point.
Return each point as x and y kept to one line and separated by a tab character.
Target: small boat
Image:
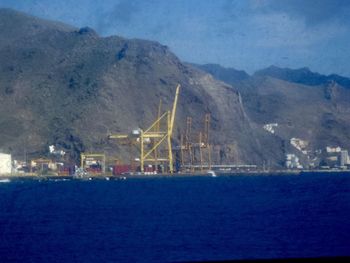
6	180
212	173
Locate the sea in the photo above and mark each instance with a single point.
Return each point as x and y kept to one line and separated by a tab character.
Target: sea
175	219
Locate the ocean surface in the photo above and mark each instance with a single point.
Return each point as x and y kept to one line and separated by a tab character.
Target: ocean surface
175	219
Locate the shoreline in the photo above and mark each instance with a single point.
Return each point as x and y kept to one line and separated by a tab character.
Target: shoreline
176	175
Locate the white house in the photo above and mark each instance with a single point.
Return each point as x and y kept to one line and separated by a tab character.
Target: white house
5	163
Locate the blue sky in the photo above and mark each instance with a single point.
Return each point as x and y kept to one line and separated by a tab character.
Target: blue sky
244	34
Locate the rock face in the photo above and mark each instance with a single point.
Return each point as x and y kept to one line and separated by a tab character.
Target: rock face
303	76
306	105
228	75
69	87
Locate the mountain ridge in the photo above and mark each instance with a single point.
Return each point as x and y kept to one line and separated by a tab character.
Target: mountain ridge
70	88
300	75
315	110
226	74
303	76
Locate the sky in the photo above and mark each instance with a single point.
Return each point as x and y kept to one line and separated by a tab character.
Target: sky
243	34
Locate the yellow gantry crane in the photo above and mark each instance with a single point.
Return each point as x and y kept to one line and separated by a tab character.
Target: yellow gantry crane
155	137
159	137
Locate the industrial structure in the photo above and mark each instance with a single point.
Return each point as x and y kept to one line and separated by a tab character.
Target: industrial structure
41	165
93	163
157	154
195	148
155	142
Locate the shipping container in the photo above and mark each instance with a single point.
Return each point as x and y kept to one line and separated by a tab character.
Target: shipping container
66	170
94	171
121	169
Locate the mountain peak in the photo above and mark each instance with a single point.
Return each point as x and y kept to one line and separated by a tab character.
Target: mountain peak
16	22
228	75
56	80
302	76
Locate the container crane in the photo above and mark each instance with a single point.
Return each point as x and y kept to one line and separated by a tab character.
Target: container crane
159	137
154	137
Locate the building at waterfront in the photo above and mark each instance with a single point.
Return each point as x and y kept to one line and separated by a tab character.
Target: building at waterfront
292	162
5	163
344	158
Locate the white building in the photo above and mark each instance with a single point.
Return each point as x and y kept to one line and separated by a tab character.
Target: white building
5	163
292	162
333	149
270	127
299	144
344	157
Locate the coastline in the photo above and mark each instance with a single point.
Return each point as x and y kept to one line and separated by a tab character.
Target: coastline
176	175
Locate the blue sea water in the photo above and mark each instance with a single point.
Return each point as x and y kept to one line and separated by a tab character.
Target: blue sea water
175	219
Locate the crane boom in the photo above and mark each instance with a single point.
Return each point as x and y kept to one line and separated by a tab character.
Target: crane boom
174	110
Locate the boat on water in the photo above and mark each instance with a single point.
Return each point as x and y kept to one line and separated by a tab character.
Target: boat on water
6	180
212	173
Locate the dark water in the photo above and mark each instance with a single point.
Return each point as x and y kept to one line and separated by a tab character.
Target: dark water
175	219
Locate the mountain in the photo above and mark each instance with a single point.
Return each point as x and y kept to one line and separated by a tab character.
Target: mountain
318	115
69	87
303	76
304	104
228	75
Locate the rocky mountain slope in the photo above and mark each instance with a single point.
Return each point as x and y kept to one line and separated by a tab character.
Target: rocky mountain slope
303	76
228	75
70	87
306	105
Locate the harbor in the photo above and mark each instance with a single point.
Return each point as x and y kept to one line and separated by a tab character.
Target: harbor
212	173
153	151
